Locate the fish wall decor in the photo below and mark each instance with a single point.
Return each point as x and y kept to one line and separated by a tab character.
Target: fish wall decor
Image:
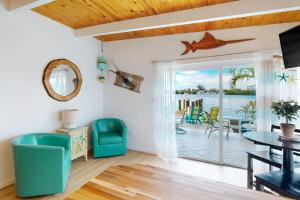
208	42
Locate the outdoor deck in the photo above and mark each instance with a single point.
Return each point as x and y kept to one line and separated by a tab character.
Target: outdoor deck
197	146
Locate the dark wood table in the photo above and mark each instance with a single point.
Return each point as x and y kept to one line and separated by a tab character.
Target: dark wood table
285	181
272	139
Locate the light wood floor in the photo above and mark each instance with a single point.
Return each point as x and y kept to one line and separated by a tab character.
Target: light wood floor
145	182
82	172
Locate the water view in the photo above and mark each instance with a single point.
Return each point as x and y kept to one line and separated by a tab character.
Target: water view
198	91
231	103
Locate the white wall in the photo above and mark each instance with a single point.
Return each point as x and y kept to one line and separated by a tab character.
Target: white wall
28	42
135	56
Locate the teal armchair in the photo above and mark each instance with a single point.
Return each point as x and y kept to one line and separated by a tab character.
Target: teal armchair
42	163
109	137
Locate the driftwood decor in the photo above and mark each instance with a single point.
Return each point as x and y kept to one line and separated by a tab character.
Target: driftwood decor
208	42
128	81
62	80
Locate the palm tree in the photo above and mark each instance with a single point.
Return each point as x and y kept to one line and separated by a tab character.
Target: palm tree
241	74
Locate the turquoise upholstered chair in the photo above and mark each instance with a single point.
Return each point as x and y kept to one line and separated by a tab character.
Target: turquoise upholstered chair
42	163
109	137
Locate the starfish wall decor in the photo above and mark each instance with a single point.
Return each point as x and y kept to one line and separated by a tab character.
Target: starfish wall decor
292	79
283	77
286	78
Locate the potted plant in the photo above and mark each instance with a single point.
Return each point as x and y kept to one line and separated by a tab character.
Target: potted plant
289	110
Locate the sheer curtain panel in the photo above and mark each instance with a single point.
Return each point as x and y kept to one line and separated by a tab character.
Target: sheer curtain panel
164	105
264	89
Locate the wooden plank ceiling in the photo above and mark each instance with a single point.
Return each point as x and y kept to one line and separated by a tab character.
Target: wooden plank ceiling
84	13
284	17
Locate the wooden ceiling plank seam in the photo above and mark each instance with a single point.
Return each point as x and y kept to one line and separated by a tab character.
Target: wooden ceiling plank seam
152	10
116	13
136	7
98	11
141	6
85	16
79	12
52	11
57	17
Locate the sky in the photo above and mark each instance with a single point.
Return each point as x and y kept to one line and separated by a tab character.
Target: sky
209	78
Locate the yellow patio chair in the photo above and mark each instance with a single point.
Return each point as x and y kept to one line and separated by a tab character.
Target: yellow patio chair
212	121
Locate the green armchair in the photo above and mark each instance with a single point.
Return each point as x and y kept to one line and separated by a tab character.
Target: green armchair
42	163
109	137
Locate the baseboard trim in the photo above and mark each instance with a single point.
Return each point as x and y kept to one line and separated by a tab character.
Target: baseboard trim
6	183
142	150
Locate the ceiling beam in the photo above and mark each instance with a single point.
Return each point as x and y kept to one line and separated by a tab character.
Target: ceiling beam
236	9
16	6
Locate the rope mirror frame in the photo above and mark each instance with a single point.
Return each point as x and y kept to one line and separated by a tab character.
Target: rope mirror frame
46	79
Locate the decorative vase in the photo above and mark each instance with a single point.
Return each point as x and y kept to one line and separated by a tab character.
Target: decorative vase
287	129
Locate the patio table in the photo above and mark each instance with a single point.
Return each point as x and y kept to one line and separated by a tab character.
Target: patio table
235	123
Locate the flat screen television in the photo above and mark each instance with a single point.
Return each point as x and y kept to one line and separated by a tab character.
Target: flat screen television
290	45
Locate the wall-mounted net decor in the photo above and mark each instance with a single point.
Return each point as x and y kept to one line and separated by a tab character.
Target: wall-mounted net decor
128	81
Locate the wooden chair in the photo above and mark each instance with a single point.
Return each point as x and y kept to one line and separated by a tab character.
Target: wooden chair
284	183
272	158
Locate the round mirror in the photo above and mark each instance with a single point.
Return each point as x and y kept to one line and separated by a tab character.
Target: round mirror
62	80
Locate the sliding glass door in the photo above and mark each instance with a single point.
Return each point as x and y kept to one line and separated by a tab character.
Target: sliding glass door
198	110
239	112
214	107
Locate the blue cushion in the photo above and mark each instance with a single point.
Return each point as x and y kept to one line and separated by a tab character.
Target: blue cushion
111	137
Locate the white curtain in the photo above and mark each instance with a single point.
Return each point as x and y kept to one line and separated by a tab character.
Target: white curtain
270	87
164	105
286	90
264	89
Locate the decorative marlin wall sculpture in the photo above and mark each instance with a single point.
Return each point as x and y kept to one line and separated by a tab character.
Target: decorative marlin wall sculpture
208	42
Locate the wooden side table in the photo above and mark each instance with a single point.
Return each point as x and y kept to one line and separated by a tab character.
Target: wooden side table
79	141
